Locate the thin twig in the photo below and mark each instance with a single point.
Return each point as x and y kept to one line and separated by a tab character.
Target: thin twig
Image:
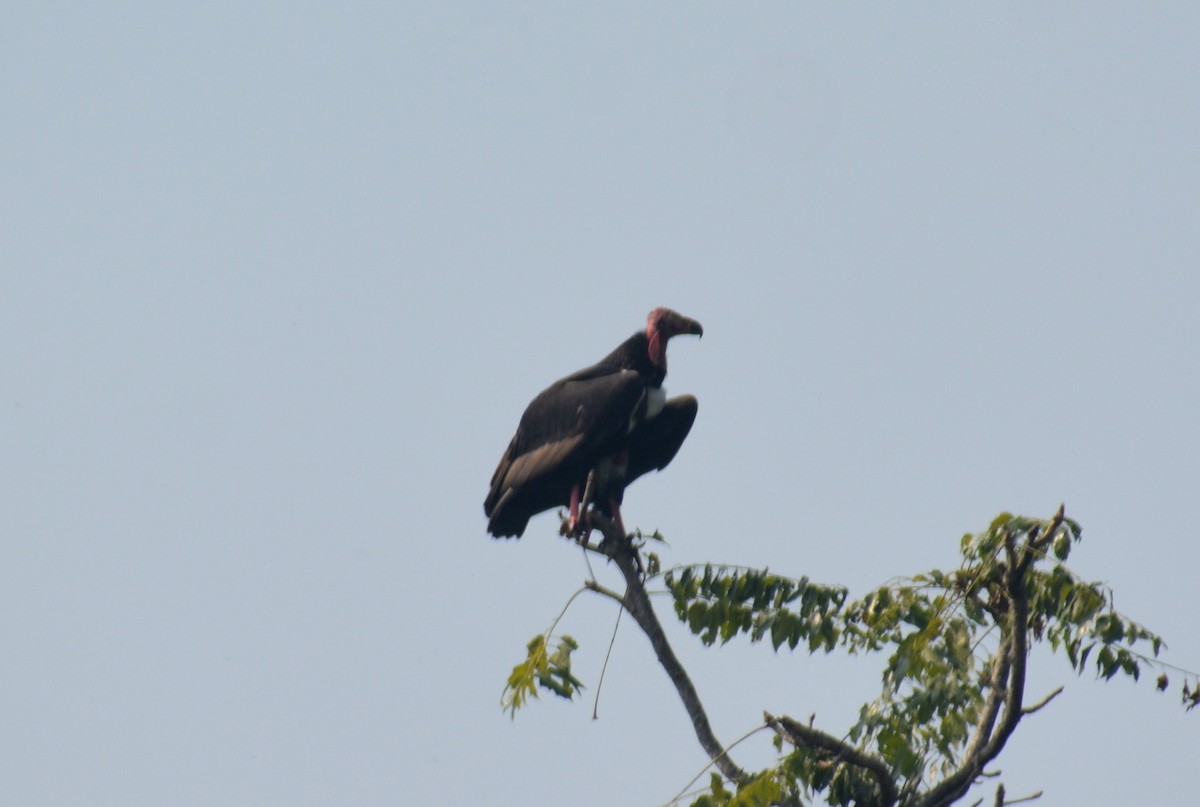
607	592
588	561
732	746
604	667
550	631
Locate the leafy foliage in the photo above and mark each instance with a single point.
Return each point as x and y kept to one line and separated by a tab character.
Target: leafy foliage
763	790
954	646
945	635
722	601
544	670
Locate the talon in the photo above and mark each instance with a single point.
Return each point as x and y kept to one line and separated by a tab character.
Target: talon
583	529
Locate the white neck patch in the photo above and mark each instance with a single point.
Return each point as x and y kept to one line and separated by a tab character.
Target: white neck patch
656	398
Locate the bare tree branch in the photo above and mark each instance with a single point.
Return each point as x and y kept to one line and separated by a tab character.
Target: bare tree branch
799	734
987	720
637	602
1031	709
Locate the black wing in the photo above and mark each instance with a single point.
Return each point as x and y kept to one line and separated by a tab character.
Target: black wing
564	432
655	442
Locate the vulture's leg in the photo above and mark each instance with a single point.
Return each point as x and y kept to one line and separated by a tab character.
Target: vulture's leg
577	527
615	509
584	528
574	510
587	491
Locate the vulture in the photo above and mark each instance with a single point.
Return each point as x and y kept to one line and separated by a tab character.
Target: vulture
594	432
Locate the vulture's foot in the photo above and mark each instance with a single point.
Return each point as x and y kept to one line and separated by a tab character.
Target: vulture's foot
577	529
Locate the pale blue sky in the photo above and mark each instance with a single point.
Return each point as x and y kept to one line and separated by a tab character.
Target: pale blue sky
279	280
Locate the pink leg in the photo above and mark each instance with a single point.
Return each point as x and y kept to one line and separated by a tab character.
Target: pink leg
574	511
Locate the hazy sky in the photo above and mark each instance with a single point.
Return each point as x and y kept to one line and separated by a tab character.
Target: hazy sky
279	279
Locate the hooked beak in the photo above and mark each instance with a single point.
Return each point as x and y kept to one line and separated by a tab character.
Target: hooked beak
675	324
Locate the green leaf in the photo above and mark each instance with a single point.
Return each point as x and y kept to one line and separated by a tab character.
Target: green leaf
522	681
999	521
540	669
1084	656
1061	545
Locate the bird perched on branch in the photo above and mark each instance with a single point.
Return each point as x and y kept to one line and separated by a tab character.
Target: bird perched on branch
588	436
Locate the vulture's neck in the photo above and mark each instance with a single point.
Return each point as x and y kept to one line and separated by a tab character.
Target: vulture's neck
657	348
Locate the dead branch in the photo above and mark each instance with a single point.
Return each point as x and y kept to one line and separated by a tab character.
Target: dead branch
621	551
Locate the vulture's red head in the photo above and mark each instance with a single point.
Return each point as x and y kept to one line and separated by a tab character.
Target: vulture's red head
661	325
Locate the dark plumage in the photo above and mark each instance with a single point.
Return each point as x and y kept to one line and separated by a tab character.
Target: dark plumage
609	418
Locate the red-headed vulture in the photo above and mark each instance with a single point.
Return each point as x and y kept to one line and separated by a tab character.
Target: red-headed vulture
611	421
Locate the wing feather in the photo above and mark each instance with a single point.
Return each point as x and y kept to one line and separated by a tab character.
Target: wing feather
563	433
655	442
